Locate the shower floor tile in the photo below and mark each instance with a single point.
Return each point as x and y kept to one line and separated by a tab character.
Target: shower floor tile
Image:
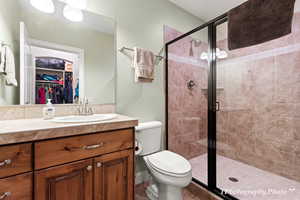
253	183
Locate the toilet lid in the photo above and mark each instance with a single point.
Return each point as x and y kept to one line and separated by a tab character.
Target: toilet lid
169	162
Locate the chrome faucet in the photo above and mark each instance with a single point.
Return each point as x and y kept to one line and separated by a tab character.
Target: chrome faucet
84	108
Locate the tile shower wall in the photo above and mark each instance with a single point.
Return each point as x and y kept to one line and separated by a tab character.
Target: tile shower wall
259	121
187	119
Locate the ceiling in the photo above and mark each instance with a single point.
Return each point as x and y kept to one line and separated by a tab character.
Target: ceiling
91	20
209	9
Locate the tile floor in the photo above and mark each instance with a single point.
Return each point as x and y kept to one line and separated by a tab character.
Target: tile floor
189	193
253	183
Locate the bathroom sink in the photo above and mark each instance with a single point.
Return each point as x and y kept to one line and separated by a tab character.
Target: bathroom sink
84	119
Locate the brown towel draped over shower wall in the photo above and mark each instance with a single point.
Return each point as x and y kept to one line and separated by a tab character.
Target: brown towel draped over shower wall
258	21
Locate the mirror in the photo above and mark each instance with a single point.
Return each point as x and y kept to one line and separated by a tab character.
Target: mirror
45	55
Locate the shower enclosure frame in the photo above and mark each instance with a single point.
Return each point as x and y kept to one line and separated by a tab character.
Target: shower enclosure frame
212	102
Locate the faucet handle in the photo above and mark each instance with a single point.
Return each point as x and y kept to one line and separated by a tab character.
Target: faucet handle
78	109
84	108
91	111
84	101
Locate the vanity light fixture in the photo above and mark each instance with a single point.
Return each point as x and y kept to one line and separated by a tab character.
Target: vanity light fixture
46	6
73	14
73	10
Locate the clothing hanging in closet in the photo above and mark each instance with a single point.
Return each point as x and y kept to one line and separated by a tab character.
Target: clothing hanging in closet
68	90
54	92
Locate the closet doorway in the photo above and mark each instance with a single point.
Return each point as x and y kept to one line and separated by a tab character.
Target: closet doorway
55	74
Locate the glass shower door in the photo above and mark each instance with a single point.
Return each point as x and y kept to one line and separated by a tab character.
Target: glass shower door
187	78
257	136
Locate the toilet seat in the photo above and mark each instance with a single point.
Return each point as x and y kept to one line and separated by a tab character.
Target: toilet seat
169	163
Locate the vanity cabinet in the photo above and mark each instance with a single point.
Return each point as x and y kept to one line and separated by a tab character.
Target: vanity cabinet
98	166
110	177
114	176
71	181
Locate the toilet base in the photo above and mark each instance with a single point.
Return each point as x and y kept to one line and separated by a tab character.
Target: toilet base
152	192
164	192
169	192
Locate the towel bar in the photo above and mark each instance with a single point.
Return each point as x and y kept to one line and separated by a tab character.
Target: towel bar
130	49
2	43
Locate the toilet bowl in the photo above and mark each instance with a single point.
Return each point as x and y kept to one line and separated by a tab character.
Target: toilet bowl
171	171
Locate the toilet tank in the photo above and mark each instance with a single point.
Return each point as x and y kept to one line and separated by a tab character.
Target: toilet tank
149	137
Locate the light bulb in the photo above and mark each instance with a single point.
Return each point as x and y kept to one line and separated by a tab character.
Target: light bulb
204	56
73	14
222	55
46	6
219	54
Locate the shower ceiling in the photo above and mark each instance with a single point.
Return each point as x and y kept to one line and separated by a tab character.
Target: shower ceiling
209	9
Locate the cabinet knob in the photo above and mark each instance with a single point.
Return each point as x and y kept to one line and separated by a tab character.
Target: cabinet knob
5	162
6	194
99	164
89	168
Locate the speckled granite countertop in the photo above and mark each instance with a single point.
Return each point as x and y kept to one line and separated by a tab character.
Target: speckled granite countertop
26	130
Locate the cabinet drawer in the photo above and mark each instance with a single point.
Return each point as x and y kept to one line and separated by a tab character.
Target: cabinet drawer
60	151
15	159
16	187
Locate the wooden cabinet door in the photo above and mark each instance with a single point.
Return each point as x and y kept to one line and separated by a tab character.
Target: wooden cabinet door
72	181
114	176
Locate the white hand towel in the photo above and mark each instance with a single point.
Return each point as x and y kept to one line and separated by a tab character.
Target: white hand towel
143	64
8	58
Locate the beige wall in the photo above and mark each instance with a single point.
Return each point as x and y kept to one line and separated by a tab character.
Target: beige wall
9	34
140	23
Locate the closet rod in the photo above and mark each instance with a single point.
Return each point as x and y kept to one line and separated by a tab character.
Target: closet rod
130	49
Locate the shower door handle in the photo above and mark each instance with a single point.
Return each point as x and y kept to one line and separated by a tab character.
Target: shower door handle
217	106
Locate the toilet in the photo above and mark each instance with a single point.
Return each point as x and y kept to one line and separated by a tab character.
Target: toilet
170	171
